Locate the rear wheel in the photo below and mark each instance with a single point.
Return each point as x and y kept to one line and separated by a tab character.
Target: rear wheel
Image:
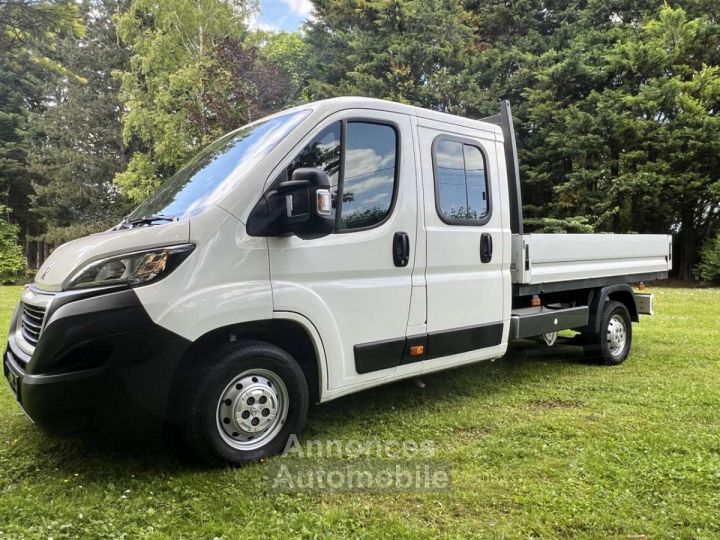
611	345
246	404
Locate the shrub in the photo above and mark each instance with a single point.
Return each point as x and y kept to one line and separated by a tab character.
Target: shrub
709	267
12	260
577	224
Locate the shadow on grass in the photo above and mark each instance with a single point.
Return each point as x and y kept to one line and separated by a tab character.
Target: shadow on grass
524	360
367	410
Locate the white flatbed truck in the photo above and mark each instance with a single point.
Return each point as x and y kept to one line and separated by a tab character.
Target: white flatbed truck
329	248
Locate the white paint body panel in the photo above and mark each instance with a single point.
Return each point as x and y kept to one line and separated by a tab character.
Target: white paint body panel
569	257
225	281
462	291
347	283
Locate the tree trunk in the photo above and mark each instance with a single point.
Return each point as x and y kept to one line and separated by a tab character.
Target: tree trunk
38	249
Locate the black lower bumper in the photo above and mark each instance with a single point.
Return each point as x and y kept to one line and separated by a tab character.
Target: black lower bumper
101	367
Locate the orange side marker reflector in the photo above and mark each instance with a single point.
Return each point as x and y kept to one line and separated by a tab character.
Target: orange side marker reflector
417	350
535	302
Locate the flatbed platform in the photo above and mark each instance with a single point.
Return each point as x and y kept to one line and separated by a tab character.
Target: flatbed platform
545	261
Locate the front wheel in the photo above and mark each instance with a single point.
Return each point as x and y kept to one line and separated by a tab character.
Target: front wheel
612	345
248	401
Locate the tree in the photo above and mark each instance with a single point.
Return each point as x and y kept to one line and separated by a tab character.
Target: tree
80	148
12	260
240	86
290	55
393	49
621	127
172	44
28	31
672	110
709	267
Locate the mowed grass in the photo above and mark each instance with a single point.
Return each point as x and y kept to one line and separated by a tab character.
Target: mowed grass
541	445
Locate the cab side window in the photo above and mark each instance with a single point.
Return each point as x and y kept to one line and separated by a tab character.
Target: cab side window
369	179
360	159
461	190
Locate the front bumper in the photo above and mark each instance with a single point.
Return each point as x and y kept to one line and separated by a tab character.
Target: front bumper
101	366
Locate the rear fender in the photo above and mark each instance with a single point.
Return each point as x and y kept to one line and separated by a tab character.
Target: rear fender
621	293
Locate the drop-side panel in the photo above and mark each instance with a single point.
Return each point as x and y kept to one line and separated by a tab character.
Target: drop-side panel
552	258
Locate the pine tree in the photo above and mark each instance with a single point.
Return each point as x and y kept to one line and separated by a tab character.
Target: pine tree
28	33
81	148
622	126
12	260
412	51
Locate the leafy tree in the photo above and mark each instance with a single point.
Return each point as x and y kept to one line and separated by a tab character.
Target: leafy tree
241	86
289	54
555	225
615	102
173	45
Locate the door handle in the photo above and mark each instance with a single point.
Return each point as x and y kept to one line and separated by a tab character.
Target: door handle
486	247
401	249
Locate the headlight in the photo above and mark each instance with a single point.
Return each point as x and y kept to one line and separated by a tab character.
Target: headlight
135	268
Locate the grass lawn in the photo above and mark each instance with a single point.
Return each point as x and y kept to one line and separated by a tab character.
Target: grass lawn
541	445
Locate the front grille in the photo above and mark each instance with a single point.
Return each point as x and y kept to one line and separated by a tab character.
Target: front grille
31	322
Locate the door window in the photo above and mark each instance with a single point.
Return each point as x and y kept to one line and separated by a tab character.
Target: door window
360	159
461	188
368	186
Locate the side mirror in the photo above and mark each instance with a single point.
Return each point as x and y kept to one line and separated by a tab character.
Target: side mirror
300	206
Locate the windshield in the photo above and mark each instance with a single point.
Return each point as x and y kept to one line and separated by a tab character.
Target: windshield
191	187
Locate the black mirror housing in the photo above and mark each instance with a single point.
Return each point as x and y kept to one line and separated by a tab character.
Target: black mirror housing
299	206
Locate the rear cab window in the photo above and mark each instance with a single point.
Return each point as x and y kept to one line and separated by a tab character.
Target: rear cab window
462	193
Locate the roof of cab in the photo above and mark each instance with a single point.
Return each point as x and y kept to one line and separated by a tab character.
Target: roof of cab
354	102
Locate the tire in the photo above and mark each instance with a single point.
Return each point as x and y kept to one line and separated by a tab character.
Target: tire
245	404
611	346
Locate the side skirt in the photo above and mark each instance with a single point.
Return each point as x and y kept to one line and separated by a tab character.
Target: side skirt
391	353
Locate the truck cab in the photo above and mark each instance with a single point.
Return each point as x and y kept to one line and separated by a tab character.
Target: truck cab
327	249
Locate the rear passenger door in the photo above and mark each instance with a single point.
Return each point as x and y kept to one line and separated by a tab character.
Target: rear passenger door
349	284
465	277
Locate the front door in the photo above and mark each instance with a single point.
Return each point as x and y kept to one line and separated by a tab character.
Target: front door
465	274
351	284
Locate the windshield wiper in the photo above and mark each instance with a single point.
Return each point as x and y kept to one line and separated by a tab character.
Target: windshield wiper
127	223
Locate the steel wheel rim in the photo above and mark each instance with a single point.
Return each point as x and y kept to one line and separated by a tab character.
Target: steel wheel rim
252	409
616	335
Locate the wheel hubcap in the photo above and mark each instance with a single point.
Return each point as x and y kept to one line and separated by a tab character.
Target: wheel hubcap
616	335
252	409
